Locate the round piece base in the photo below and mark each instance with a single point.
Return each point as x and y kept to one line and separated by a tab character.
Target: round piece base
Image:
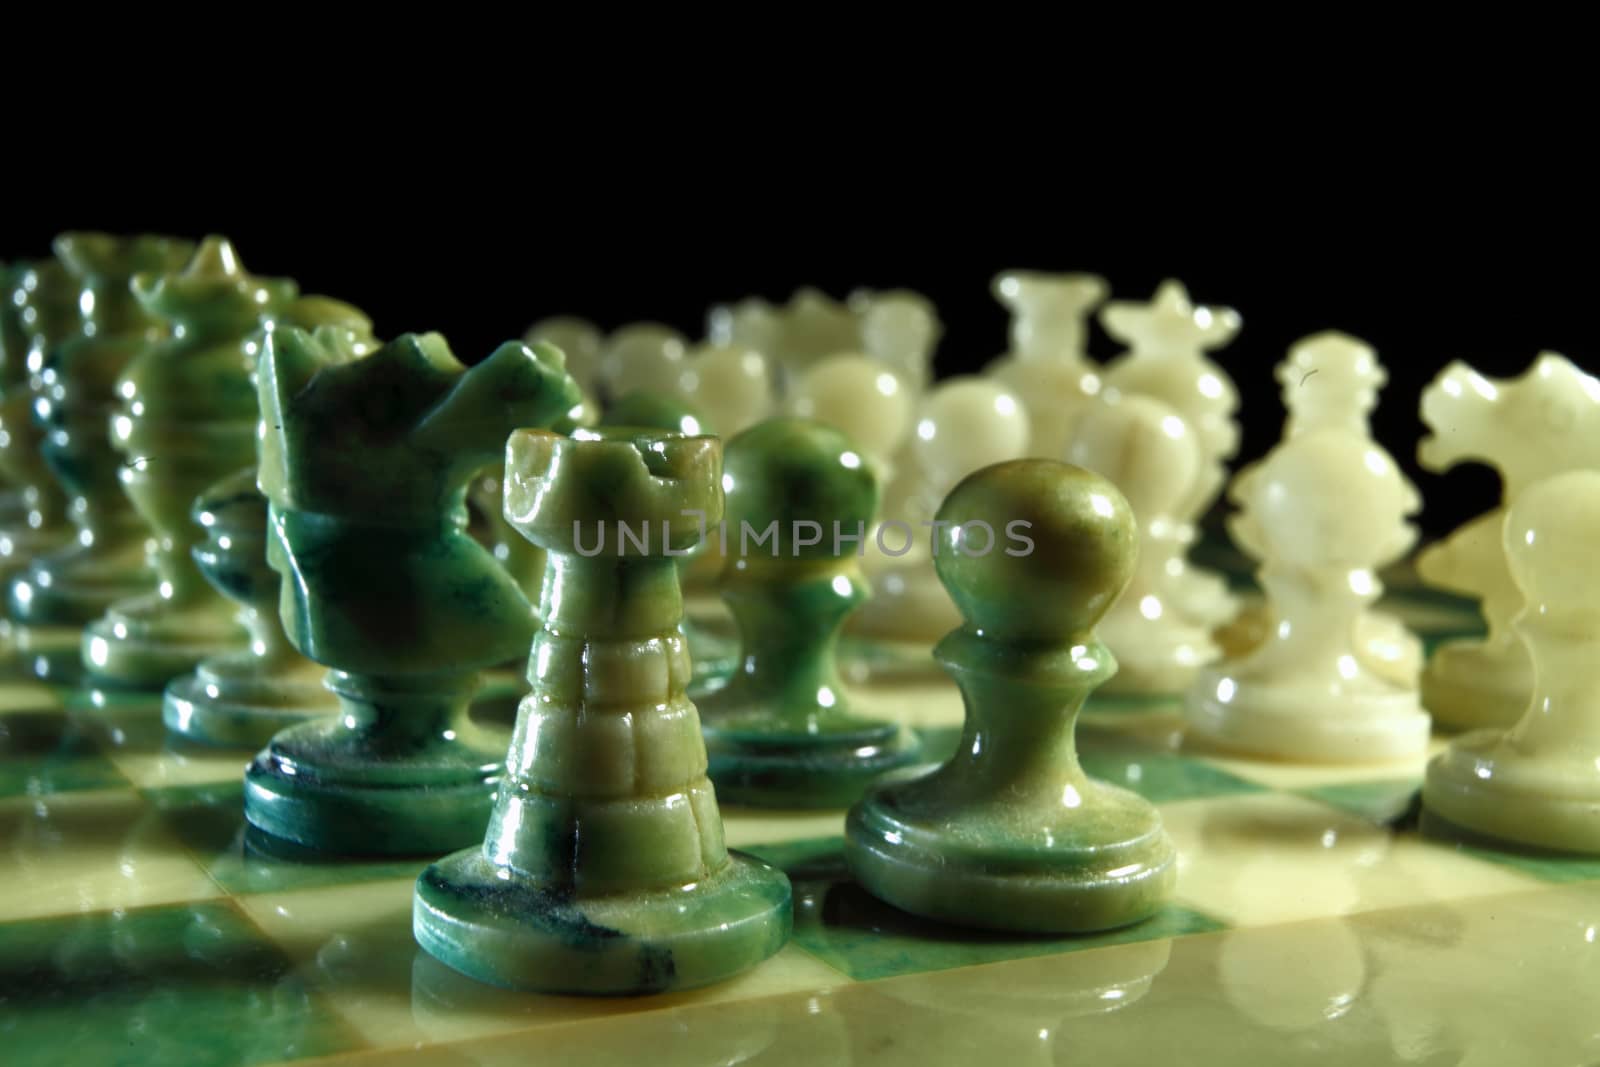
1484	785
239	722
1049	896
506	932
142	659
52	653
790	770
1280	722
1463	691
314	809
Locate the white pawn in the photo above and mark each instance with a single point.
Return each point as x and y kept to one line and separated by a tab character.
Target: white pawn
862	398
1323	512
900	329
730	385
962	425
1151	454
1528	428
1538	783
645	355
1167	340
1047	365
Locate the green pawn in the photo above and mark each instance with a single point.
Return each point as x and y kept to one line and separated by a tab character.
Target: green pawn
780	730
366	460
43	312
1011	834
74	394
604	869
243	698
187	418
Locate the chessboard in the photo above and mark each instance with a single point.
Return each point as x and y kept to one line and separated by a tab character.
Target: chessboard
1313	922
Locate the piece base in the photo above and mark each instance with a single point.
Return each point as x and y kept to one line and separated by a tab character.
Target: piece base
52	653
328	808
249	720
1115	883
499	929
145	660
1484	785
790	770
1280	722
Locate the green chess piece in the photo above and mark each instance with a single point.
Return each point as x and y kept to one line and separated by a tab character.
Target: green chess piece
245	697
780	730
74	398
1010	833
187	418
365	461
604	868
13	370
44	313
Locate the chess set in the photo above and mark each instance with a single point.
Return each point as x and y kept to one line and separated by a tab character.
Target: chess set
622	698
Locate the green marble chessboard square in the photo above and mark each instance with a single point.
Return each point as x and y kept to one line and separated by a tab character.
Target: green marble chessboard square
48	751
195	984
209	820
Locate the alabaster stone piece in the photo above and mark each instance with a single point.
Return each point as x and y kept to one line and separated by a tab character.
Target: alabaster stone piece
645	356
1010	833
1047	364
1167	340
1538	783
730	384
243	698
604	868
780	728
365	462
860	397
74	397
186	418
1323	512
1331	380
899	329
1528	428
581	342
963	424
42	313
1144	448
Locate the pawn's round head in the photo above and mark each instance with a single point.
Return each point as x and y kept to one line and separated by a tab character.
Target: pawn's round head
1550	534
806	477
1063	547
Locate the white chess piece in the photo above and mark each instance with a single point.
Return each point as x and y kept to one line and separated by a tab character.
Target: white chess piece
1538	783
1151	454
861	397
1047	365
1528	428
730	385
963	424
642	356
580	340
1167	340
1323	512
900	329
1330	380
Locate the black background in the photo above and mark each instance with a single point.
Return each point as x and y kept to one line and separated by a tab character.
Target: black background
1424	277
